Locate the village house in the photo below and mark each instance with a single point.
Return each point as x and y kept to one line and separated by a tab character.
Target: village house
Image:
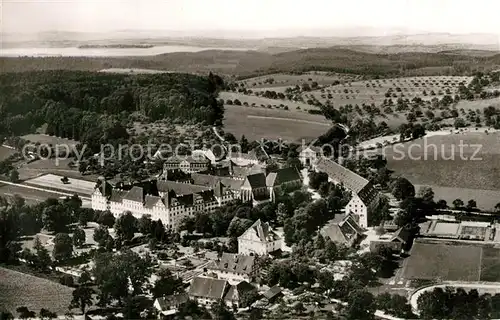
343	230
396	241
259	239
207	291
167	307
365	198
234	268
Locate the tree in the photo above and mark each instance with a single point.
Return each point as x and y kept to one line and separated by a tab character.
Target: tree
106	218
220	311
457	203
5	315
25	313
402	189
167	284
125	226
299	308
360	306
14	176
43	260
471	204
144	224
82	296
101	235
79	237
426	193
63	247
46	314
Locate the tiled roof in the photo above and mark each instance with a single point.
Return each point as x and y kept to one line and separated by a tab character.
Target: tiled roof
196	158
167	302
263	231
210	181
282	176
117	195
342	231
234	263
273	292
135	194
150	201
208	288
348	178
257	180
243	171
401	234
179	188
351	180
235	292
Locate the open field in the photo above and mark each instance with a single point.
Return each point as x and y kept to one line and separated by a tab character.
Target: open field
51	140
52	181
293	106
486	199
30	195
452	262
19	289
6	152
441	161
257	123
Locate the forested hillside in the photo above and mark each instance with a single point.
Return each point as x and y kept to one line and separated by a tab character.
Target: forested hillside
87	105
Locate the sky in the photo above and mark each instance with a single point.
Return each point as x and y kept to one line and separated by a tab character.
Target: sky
286	16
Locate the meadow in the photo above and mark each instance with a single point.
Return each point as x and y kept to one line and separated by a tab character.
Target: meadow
50	140
6	152
19	289
263	102
452	262
277	80
53	182
438	162
258	123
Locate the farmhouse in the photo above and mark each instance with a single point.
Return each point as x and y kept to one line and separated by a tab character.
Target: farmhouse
259	239
209	290
234	268
365	197
168	306
167	201
343	229
395	242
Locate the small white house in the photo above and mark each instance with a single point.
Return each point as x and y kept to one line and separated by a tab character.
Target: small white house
259	239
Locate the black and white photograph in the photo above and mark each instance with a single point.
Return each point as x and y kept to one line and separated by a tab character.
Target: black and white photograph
249	159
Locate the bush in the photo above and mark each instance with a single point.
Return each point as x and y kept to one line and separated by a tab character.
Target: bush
67	280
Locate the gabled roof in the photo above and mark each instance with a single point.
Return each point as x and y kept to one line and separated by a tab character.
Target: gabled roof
257	180
179	188
348	178
234	263
196	158
208	288
210	181
343	231
243	171
167	302
281	176
135	194
150	201
262	230
402	234
273	292
312	148
235	292
351	180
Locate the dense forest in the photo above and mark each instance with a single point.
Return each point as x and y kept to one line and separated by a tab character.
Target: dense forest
87	105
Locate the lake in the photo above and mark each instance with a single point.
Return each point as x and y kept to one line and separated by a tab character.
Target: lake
103	52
